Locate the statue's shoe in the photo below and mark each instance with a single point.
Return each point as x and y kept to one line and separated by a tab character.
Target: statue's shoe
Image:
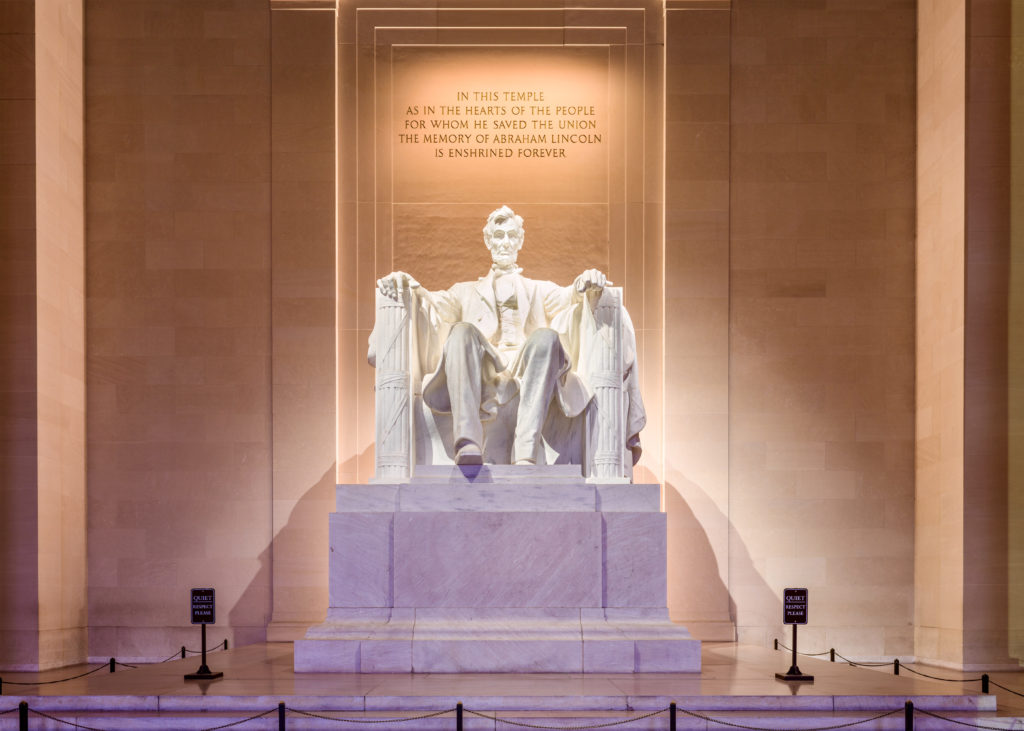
469	453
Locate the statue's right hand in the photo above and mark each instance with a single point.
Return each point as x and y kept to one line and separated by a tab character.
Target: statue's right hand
392	285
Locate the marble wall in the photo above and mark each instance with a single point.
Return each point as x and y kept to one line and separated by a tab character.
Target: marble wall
178	167
696	477
303	310
821	320
226	393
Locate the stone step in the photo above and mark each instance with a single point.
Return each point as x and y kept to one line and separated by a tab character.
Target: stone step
476	474
539	497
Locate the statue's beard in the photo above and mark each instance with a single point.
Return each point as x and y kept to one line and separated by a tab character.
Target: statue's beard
504	261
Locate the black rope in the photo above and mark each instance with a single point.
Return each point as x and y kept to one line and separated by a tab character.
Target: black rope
904	666
218	646
176	655
567	728
864	664
244	720
1008	690
62	680
693	714
61	720
805	654
311	714
961	723
125	665
710	719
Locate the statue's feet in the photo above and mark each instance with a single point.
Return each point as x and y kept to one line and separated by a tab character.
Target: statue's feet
468	453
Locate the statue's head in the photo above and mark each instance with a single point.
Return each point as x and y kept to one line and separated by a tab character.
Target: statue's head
503	236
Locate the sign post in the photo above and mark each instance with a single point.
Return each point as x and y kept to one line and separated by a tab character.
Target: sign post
204	612
794	612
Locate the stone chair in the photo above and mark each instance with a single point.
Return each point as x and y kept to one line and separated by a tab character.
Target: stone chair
409	435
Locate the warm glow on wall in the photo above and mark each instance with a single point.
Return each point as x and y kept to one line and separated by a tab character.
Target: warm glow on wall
527	123
470	128
446	113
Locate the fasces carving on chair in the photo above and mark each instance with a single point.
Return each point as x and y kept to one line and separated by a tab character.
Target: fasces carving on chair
505	369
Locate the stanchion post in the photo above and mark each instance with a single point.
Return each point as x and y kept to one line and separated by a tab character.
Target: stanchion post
776	643
204	672
458	716
182	652
908	716
896	666
672	716
280	716
225	643
832	654
112	663
794	673
23	716
984	682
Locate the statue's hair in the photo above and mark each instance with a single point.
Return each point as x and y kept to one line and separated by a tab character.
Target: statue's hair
499	216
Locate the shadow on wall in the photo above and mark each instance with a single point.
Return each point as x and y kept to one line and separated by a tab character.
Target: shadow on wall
302	546
697	595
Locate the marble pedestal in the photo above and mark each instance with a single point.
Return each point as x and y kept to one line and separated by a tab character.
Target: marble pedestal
497	569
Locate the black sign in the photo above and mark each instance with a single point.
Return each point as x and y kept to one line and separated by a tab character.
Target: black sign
203	607
794	606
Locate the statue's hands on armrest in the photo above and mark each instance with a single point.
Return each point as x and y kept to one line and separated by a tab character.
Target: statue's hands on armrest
392	285
592	280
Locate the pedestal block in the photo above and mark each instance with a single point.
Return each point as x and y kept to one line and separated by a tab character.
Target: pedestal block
497	569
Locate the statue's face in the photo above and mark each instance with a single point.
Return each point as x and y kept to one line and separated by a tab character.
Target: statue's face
505	240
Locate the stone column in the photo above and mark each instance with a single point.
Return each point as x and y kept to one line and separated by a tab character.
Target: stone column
42	338
393	454
606	380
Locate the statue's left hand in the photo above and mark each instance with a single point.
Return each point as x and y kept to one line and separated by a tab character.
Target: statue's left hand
392	285
593	279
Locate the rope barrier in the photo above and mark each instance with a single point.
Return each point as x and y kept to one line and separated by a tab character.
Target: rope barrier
1008	690
909	710
960	723
211	649
61	720
244	720
904	666
112	662
62	680
567	728
863	664
984	679
312	714
710	719
805	654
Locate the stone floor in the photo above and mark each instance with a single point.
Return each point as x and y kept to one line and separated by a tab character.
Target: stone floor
737	685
